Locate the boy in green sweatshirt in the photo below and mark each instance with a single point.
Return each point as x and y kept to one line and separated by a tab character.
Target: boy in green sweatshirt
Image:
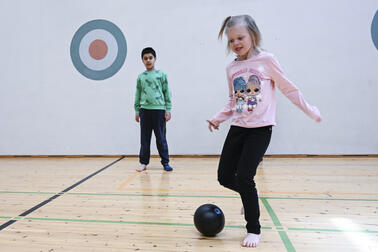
152	109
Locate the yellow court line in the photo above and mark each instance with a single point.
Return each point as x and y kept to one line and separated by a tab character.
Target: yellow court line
174	190
128	180
229	191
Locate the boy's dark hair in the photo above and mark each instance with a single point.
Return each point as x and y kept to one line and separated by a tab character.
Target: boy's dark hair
148	50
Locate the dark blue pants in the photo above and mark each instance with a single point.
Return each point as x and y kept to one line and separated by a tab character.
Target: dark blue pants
152	120
242	152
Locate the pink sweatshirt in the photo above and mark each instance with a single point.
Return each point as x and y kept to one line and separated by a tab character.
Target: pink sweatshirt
252	98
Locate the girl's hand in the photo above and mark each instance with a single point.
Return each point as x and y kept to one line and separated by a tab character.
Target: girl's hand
167	116
318	117
137	117
212	125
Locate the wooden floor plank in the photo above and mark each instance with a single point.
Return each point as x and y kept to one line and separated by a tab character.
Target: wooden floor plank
307	204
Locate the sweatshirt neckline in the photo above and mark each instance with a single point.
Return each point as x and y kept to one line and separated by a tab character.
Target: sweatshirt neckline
151	71
249	59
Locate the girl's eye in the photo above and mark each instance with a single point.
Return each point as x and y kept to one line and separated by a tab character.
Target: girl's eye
248	90
240	38
231	41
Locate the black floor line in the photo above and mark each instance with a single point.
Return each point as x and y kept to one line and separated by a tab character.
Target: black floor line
6	224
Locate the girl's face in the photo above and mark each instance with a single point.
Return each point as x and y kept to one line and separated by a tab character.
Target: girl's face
240	41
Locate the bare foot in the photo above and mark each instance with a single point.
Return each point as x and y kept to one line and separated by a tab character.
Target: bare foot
141	168
251	240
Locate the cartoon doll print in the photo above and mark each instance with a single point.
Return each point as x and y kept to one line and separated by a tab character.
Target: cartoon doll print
239	89
253	91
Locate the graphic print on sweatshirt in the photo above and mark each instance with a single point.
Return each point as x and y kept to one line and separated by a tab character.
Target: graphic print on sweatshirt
247	92
154	90
158	96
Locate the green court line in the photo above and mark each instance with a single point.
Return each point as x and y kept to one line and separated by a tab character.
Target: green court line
185	196
243	227
121	222
9	218
127	194
6	217
334	230
279	228
15	192
111	221
155	195
285	239
331	199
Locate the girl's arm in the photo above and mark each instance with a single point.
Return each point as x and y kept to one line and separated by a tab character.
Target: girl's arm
226	112
291	91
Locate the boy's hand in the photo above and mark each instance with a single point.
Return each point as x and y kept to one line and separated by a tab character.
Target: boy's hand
137	117
212	125
167	116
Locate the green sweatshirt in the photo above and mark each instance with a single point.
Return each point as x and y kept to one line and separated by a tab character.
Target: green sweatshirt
152	91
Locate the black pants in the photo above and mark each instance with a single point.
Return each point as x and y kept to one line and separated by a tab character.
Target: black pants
242	152
152	120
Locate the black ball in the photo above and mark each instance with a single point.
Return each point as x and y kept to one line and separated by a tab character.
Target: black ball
209	219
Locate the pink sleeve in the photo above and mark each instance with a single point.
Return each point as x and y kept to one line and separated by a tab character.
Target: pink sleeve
226	112
291	91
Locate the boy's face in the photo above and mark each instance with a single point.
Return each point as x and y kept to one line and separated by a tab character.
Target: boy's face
149	61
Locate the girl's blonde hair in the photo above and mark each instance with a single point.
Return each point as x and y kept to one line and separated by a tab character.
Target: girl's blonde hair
248	22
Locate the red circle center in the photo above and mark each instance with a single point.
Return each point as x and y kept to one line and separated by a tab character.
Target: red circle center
98	49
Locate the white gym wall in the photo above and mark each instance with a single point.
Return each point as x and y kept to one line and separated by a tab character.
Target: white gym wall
48	108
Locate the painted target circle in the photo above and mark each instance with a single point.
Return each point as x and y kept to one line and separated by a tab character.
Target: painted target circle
98	49
374	30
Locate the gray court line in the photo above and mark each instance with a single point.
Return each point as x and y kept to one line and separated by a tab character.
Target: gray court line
8	223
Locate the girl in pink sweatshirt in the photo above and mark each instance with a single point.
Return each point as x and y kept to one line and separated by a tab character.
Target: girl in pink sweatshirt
252	78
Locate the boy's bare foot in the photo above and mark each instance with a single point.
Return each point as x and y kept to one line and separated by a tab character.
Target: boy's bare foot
251	240
141	168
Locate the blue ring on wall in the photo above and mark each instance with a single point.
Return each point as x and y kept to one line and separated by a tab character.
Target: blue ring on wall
374	30
119	60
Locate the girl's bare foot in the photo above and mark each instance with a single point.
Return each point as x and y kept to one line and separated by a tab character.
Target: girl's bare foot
251	240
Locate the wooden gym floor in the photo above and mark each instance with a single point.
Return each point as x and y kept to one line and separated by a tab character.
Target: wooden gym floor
102	204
